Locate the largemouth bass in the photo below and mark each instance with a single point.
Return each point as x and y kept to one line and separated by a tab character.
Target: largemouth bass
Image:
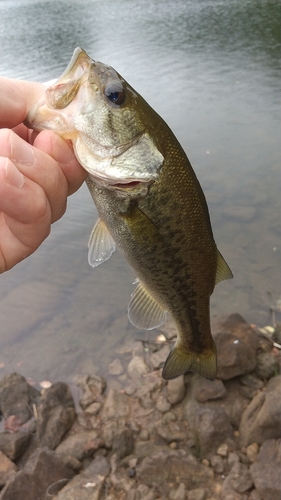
150	204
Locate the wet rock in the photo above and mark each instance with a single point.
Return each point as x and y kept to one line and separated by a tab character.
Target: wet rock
89	484
176	390
42	469
261	419
56	414
17	397
137	367
115	368
173	467
93	387
223	450
7	469
158	358
14	444
118	437
172	431
81	445
204	390
237	343
217	464
266	471
252	381
210	425
116	405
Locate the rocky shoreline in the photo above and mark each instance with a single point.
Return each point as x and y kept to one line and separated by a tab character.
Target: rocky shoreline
138	437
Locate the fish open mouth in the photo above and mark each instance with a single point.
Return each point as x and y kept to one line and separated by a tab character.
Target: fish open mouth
127	185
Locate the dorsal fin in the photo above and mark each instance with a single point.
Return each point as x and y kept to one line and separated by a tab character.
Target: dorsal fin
223	270
101	244
144	311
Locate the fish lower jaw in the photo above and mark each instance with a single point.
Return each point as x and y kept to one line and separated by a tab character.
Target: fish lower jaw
118	185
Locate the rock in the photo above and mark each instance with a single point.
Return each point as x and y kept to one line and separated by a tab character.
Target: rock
252	452
217	464
204	390
173	466
237	343
89	484
252	381
179	494
41	470
176	390
17	397
137	367
268	361
222	450
210	425
7	469
115	368
81	445
118	437
56	414
162	404
197	494
14	444
93	387
116	405
261	419
266	471
238	481
158	358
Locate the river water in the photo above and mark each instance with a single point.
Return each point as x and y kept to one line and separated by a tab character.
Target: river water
211	69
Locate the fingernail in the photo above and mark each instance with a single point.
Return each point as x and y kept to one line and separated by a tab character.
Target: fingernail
21	152
62	151
13	175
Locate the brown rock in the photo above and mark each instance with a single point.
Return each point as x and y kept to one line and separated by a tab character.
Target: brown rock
89	484
158	358
81	445
261	419
204	390
238	481
176	390
7	469
56	414
197	494
266	471
17	397
42	469
14	444
93	387
116	405
137	367
173	467
237	343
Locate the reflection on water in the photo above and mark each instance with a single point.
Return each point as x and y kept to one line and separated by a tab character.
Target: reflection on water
211	69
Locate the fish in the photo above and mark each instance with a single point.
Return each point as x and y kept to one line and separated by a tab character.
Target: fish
150	204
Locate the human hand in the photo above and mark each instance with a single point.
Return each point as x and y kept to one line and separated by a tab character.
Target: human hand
37	173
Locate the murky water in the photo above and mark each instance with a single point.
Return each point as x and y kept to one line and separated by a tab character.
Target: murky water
211	70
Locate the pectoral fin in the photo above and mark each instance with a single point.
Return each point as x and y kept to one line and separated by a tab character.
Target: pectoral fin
223	271
144	311
101	244
180	361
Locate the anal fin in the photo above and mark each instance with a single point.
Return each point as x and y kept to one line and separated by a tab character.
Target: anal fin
101	244
144	311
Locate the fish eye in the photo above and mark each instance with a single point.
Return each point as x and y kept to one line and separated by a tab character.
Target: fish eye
114	92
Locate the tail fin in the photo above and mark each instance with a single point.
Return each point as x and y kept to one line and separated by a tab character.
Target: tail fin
180	361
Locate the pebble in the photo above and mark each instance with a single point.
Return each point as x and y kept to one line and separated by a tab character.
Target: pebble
217	464
176	390
223	450
162	404
116	367
137	367
252	452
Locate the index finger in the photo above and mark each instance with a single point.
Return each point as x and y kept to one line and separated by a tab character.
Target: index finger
16	99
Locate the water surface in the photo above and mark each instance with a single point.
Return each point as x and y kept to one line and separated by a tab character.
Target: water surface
211	69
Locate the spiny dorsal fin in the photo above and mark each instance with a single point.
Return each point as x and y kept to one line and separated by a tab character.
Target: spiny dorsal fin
144	311
223	271
180	361
101	244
